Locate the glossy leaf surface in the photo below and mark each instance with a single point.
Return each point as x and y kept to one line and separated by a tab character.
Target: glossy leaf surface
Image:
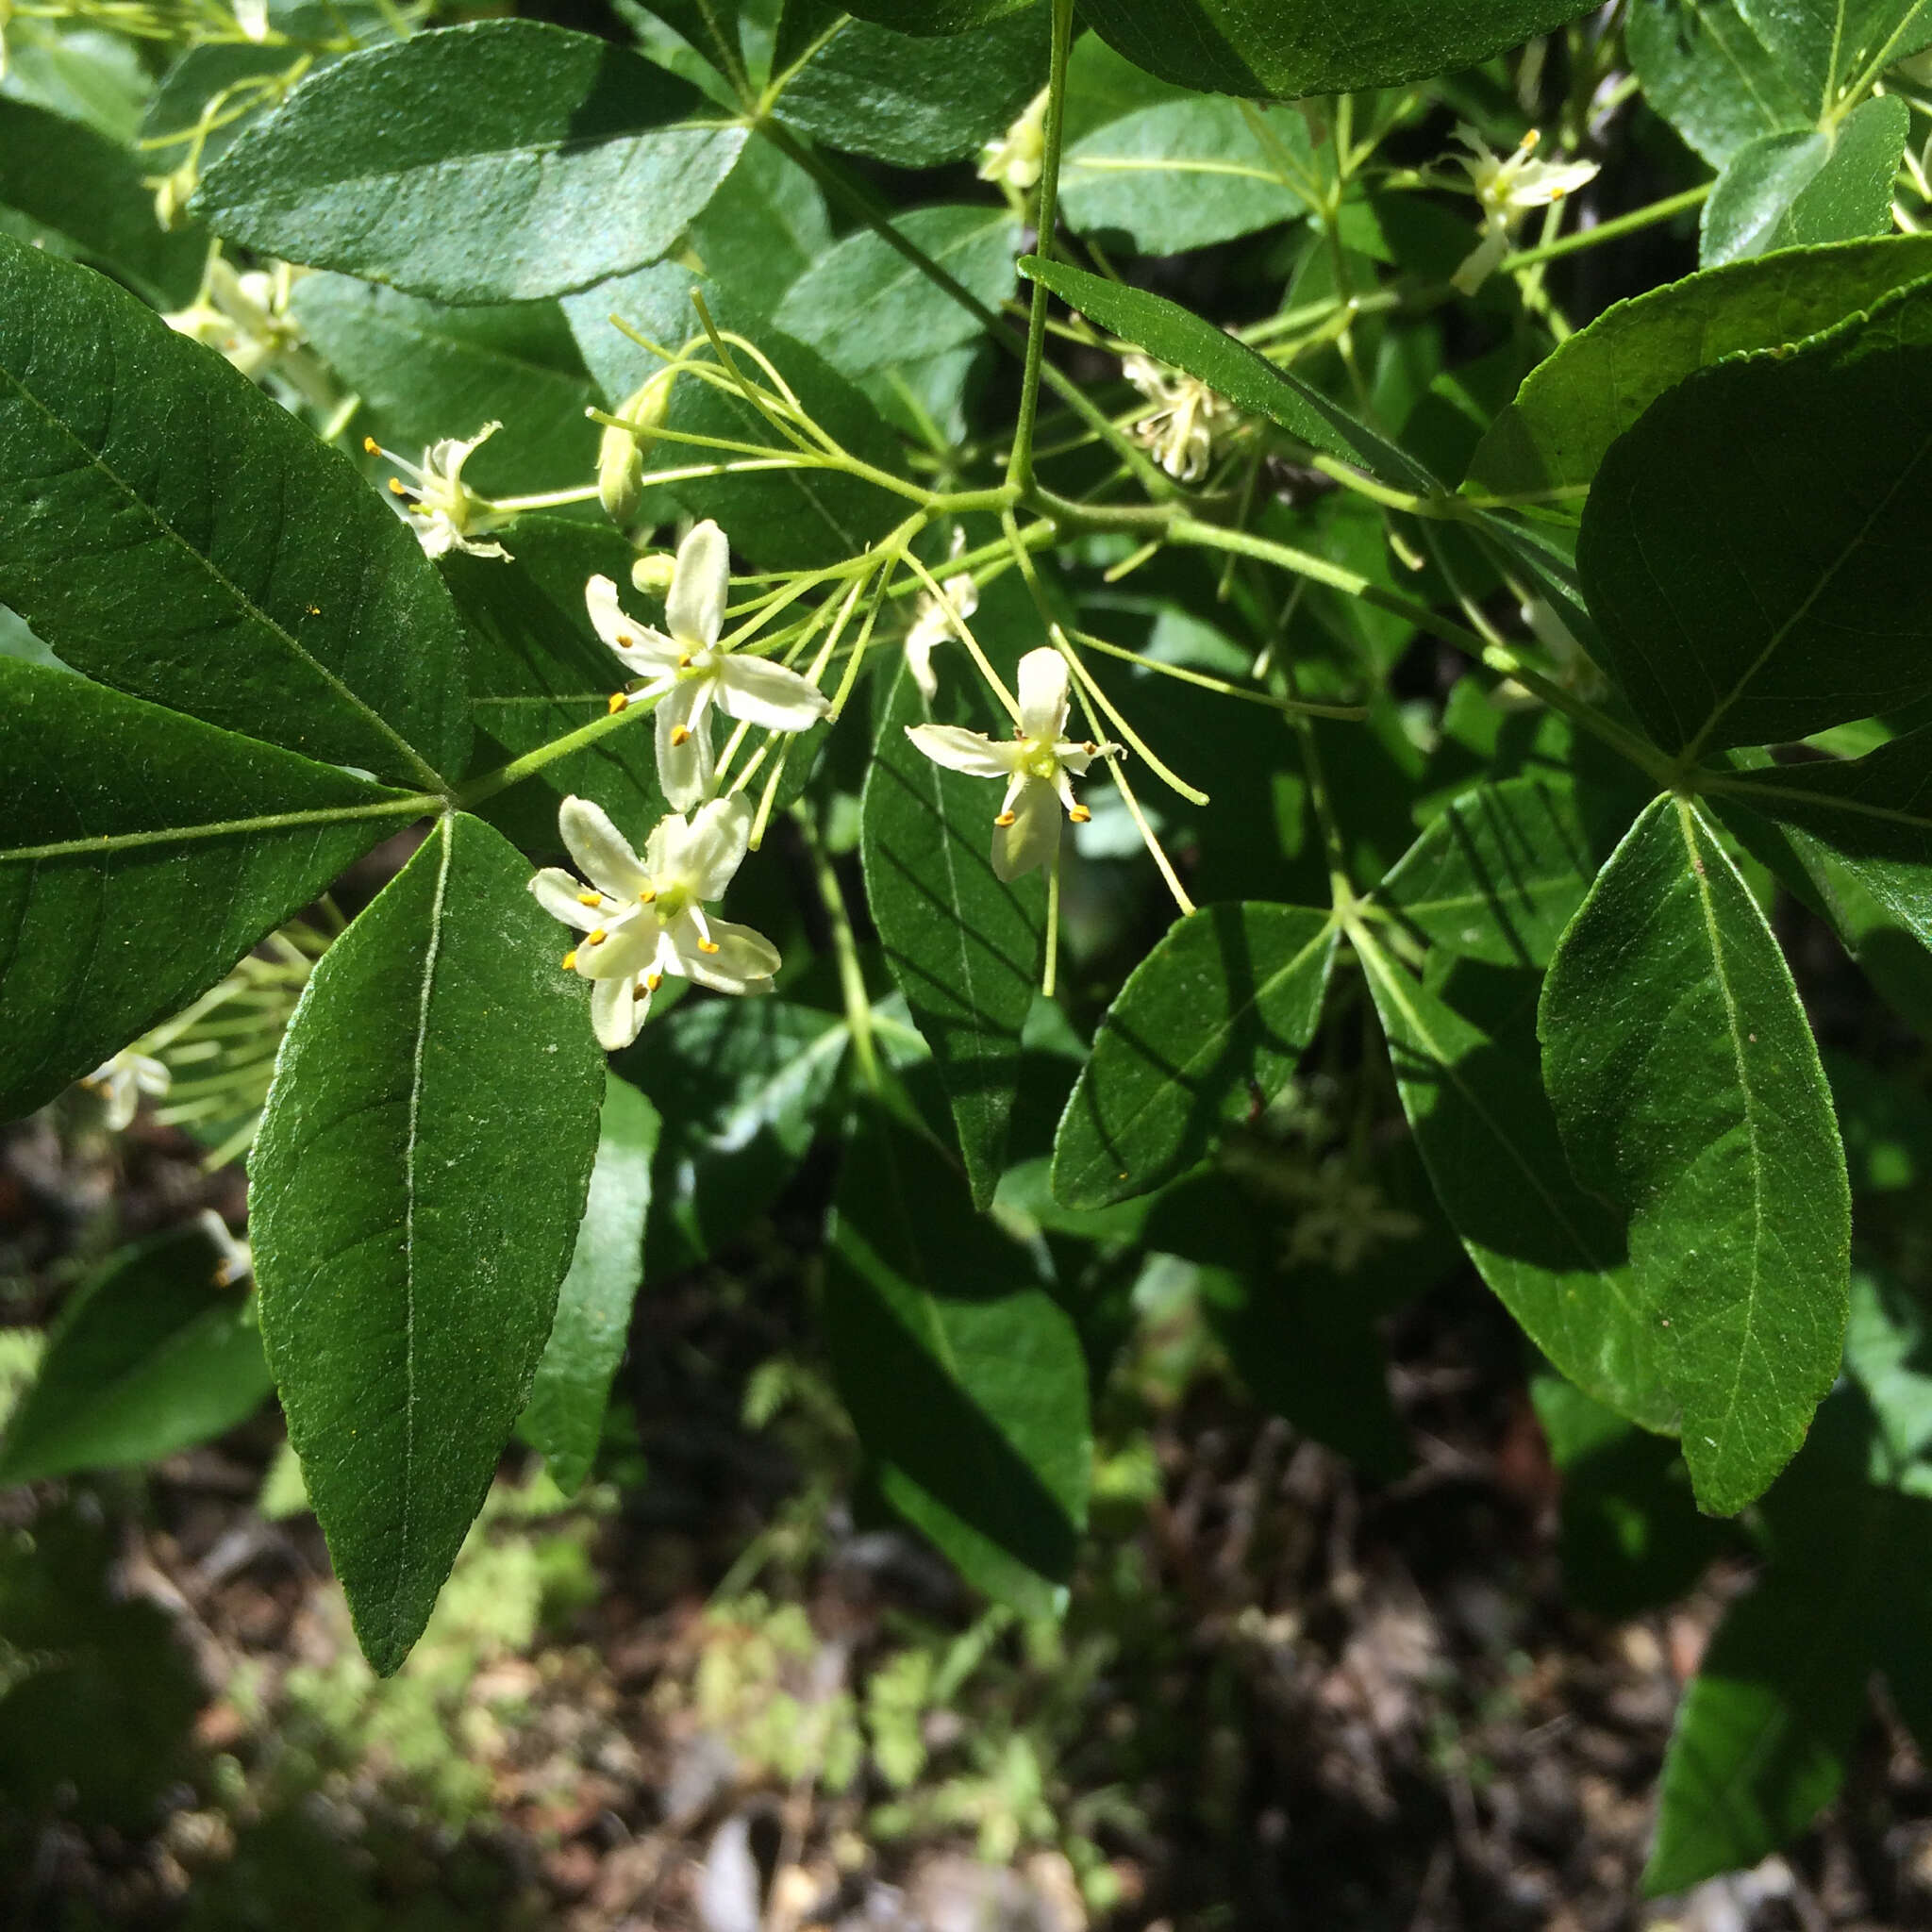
565	1413
152	1356
1734	615
964	946
963	1377
937	16
1687	1088
501	161
141	853
1206	1031
1553	1251
1597	385
1499	874
409	1228
1266	49
173	531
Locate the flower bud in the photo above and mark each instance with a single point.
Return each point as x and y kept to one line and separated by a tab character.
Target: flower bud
652	573
621	455
172	194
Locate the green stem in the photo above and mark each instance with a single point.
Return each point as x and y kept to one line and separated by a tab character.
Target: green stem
1020	463
491	783
1610	230
845	949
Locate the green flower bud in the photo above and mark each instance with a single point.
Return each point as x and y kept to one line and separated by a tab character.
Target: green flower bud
621	454
652	573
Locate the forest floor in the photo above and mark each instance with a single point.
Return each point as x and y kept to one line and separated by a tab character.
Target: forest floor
714	1692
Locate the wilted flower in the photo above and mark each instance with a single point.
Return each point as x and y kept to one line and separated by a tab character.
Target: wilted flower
1508	189
448	514
1188	416
1018	158
690	670
934	624
1039	764
643	918
122	1081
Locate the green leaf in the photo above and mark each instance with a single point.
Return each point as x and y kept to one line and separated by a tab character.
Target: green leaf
430	371
1184	175
152	1355
765	226
502	162
1726	73
1209	1029
914	100
538	670
963	1377
1499	874
862	305
1553	1251
416	1190
1728	619
778	520
964	946
937	16
88	191
1250	381
1792	190
1687	1088
1577	403
144	853
173	531
1263	48
565	1413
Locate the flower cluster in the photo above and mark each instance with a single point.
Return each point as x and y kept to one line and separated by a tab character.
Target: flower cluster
1507	188
1187	419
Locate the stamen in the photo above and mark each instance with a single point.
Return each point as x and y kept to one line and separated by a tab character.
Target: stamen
597	937
620	701
570	960
645	897
707	945
684	660
680	734
396	487
1007	818
653	981
372	446
589	898
1079	815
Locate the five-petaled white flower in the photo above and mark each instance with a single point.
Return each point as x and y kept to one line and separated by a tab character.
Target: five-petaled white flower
1186	419
690	670
1507	189
447	514
1039	764
122	1080
643	918
934	624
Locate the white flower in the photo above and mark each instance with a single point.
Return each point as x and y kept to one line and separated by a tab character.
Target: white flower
643	918
237	1259
449	515
122	1080
1018	158
1037	765
1506	189
245	316
1188	416
690	670
933	625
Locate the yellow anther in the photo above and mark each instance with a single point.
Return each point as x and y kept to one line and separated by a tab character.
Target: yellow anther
653	981
684	660
620	701
680	734
1007	818
589	898
395	487
645	897
1079	815
570	960
707	945
1531	140
624	641
370	443
596	938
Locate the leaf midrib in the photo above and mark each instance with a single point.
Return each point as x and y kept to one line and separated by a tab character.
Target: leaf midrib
221	828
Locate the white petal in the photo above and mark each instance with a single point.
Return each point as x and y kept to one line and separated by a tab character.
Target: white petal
1034	837
971	752
1044	693
761	692
1076	758
1483	260
643	650
627	950
744	961
614	1014
602	853
919	642
716	844
686	768
696	606
557	892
